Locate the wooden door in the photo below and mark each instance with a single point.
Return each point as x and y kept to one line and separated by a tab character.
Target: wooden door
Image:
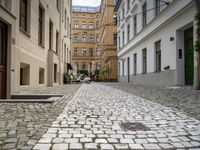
3	55
189	56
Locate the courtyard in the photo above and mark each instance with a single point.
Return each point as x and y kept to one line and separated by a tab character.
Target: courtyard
91	116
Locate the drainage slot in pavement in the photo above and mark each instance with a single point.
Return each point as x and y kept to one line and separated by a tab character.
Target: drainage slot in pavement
50	98
134	126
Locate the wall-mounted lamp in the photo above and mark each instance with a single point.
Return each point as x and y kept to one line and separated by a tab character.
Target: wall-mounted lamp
115	18
172	38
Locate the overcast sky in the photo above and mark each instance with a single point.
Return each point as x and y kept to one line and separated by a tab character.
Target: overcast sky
87	2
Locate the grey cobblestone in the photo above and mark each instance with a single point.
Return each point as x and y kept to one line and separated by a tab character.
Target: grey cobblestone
27	122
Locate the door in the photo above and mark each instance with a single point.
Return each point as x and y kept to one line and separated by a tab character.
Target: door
128	68
189	56
3	54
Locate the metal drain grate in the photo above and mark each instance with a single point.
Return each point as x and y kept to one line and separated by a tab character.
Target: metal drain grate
134	126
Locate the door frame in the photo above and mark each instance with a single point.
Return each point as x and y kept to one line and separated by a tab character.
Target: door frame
5	40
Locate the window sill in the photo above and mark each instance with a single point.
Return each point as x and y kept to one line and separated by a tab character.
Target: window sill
25	32
41	45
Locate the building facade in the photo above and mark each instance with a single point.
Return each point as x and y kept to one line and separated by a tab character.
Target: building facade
32	43
155	42
94	39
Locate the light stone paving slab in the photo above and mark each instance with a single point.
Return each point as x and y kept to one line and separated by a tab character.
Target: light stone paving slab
92	121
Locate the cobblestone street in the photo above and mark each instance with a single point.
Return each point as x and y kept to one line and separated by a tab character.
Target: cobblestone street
21	125
181	98
92	118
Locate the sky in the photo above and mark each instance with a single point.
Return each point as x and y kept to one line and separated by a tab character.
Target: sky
87	2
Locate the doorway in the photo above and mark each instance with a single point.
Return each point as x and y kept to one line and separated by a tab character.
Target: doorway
189	56
128	68
3	56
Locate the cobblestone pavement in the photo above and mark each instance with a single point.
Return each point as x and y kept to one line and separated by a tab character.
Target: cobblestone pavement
91	120
21	125
183	98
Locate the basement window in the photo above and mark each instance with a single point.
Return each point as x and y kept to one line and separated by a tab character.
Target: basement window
24	74
41	75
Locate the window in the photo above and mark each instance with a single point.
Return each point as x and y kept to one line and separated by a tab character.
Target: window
122	67
76	39
84	26
119	19
144	15
24	74
83	38
123	13
91	39
97	66
50	35
135	25
83	52
91	26
65	53
135	64
41	75
119	42
128	5
97	38
76	26
91	52
55	73
158	55
83	66
128	33
65	19
57	4
115	39
77	65
98	52
123	38
41	26
57	38
158	7
97	25
24	15
83	16
76	52
144	60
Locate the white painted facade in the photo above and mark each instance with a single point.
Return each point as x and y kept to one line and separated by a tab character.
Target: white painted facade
168	27
23	48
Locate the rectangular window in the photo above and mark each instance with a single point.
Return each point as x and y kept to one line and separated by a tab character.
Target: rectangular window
55	73
144	15
128	33
158	7
158	56
144	61
97	38
83	38
128	5
83	26
91	39
91	26
76	52
41	26
135	64
135	25
65	53
123	38
57	38
83	52
97	25
76	39
98	52
24	15
91	52
122	67
115	39
41	75
76	26
50	35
